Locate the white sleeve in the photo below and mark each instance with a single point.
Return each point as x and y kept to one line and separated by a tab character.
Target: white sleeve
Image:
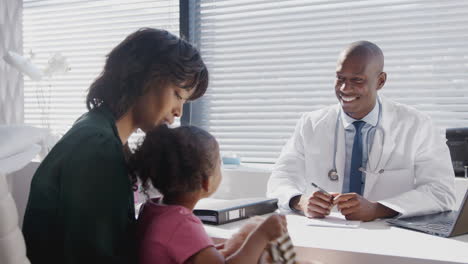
434	176
287	178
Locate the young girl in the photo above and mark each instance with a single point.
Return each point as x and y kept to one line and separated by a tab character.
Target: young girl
185	166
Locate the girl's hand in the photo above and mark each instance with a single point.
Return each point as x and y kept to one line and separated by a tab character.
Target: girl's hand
235	242
273	227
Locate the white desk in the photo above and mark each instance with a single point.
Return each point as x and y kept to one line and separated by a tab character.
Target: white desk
372	242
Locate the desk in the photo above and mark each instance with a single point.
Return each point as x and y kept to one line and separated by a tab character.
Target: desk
372	242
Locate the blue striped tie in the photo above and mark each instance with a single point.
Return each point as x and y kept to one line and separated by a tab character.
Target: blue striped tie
355	182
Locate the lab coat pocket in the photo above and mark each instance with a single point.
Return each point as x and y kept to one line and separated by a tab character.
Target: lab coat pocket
397	179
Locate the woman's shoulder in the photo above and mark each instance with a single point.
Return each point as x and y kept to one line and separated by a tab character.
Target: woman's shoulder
87	147
95	124
87	150
92	134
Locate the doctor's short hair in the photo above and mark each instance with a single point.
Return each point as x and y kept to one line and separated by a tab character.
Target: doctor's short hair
146	57
174	161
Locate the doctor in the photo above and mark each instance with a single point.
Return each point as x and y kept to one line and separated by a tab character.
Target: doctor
397	164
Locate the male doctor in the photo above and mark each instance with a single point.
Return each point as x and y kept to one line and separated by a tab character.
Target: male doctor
396	164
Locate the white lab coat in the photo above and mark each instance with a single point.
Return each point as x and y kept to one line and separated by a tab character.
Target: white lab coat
418	177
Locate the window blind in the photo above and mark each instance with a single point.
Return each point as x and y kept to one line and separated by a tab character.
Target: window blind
270	61
84	32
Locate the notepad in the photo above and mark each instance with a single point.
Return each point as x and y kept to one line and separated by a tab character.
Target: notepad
335	219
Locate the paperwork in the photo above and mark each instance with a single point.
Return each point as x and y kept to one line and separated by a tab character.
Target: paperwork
335	219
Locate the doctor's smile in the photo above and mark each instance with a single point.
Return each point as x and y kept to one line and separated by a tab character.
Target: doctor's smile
348	98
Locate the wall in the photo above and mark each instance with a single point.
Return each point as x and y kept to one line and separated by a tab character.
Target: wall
237	183
242	182
11	81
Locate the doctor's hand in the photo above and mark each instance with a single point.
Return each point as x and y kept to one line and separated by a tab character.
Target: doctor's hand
317	205
355	207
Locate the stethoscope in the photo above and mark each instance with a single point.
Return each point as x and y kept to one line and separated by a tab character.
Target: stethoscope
333	174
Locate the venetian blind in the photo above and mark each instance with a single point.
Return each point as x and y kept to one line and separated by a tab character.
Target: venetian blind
270	61
84	32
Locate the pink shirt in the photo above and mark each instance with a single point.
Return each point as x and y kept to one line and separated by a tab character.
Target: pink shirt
169	234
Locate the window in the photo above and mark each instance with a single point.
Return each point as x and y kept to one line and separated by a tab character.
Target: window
84	32
270	61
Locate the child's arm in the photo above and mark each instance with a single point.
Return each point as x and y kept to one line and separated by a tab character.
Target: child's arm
272	228
236	241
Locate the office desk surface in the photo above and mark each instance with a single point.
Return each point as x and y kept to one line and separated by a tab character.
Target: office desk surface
372	242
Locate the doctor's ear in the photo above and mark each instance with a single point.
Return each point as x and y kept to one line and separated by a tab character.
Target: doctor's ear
382	79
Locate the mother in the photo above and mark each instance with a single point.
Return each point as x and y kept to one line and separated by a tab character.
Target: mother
81	207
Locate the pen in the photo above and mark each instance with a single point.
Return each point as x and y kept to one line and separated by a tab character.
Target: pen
320	188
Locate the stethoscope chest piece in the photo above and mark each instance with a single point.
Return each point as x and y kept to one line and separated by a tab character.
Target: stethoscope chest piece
333	175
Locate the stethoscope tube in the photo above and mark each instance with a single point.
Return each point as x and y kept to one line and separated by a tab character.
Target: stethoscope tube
333	173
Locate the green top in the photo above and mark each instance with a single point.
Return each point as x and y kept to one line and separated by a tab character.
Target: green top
80	207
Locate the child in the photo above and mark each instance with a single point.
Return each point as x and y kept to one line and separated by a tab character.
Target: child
185	166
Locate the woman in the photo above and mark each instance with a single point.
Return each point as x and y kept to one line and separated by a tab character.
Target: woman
80	207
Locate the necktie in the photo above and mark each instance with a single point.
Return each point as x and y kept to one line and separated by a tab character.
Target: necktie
355	182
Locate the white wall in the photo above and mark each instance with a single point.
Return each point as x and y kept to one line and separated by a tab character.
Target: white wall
11	81
249	182
242	182
237	183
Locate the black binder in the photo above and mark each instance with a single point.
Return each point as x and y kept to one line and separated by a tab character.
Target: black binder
218	212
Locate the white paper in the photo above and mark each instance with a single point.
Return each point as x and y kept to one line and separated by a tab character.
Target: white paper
335	219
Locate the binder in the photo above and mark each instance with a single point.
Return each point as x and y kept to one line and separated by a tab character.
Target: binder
218	211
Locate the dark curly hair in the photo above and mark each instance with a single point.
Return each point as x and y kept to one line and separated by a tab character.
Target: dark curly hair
144	57
174	161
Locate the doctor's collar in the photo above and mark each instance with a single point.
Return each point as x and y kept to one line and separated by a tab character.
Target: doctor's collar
371	118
